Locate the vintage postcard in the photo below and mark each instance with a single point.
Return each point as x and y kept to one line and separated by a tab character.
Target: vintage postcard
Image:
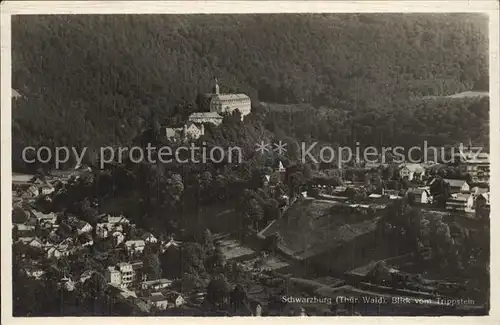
259	159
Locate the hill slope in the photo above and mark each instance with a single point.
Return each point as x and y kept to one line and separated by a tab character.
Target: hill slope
96	79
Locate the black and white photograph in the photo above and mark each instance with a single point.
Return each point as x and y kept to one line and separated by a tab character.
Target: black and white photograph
248	164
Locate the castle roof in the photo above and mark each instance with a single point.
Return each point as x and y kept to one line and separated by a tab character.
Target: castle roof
205	115
225	97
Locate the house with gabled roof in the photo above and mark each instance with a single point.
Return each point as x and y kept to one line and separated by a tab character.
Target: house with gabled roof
53	251
108	218
457	185
31	241
158	300
135	246
33	271
420	194
149	238
460	202
411	171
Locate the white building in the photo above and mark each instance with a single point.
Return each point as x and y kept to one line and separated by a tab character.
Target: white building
461	202
113	276
411	171
477	164
421	194
135	246
31	241
34	272
149	238
158	300
228	103
123	275
205	117
156	284
458	185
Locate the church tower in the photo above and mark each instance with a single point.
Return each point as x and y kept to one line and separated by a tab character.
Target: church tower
215	88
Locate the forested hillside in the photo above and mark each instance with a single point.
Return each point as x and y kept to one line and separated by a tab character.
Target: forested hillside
94	80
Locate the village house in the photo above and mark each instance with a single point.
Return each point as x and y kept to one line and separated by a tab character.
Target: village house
476	191
86	276
460	202
33	271
21	227
411	172
123	274
46	189
113	276
135	246
175	299
477	164
205	117
31	241
281	169
107	218
266	179
158	300
19	179
80	226
104	230
188	131
482	200
457	185
149	238
193	131
118	238
174	134
171	243
86	240
52	251
157	284
67	284
420	194
31	192
50	217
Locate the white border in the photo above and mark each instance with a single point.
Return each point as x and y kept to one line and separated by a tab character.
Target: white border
9	8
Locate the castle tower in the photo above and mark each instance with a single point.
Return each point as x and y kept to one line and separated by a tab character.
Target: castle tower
215	88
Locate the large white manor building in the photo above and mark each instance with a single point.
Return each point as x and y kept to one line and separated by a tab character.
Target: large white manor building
217	104
227	103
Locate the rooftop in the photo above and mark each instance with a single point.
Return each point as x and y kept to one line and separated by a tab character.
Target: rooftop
232	96
205	115
455	182
415	168
470	94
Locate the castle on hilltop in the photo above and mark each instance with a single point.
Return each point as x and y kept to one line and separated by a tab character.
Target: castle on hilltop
211	106
218	103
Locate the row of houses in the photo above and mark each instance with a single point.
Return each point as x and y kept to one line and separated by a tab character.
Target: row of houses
462	198
475	164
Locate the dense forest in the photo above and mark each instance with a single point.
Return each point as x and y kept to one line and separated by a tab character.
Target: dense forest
98	80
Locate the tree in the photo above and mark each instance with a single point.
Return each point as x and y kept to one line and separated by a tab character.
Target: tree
218	290
238	296
208	241
152	268
188	283
216	260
